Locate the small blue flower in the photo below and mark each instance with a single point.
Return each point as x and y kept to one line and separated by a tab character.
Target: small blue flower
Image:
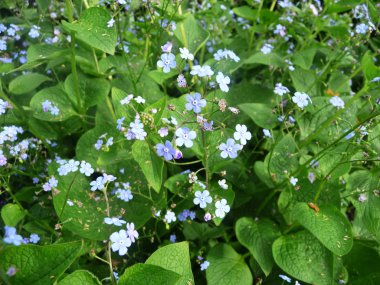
185	137
167	150
195	102
97	184
229	149
34	238
173	238
11	236
205	265
167	62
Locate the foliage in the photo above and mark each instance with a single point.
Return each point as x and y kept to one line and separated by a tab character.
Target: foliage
189	142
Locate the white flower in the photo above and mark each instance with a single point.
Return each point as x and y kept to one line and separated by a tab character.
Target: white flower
242	134
114	221
126	100
185	54
120	242
110	23
201	71
132	233
222	183
86	168
337	102
362	197
293	181
280	90
169	217
223	81
266	49
202	198
140	100
267	133
301	99
221	208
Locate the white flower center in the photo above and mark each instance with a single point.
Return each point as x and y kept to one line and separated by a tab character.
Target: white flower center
229	149
195	102
166	149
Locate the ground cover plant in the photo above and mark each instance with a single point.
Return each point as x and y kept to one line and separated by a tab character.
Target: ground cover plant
189	142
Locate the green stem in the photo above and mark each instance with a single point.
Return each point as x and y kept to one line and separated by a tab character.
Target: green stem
108	249
73	60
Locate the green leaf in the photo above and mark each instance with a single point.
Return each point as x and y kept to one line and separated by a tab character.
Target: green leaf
38	265
56	96
201	231
258	237
12	214
283	158
92	90
147	274
328	225
151	165
246	12
370	70
26	83
266	59
304	257
86	216
261	114
305	81
304	58
92	29
190	34
227	267
362	264
82	277
174	257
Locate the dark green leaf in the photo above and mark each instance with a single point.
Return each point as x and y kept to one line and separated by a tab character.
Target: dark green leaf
258	237
227	267
26	83
38	265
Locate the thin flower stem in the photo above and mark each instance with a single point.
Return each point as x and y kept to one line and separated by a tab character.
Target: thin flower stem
108	249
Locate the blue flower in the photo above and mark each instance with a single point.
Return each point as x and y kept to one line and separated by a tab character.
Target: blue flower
185	137
167	62
34	238
195	102
97	184
11	236
120	242
167	150
229	149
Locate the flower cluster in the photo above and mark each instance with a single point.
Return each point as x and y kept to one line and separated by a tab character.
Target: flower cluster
123	239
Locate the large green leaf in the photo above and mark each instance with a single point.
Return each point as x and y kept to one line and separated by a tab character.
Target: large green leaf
305	81
227	267
266	59
82	277
38	264
258	237
86	216
305	258
147	274
151	165
191	34
283	158
92	29
328	225
304	58
92	90
56	96
12	214
26	83
261	114
174	257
